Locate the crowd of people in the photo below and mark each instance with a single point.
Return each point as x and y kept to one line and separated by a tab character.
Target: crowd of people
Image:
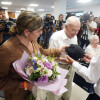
54	38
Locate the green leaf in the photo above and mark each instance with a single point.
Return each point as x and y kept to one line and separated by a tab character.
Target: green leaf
34	76
30	96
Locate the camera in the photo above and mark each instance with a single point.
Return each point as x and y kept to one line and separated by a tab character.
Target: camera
6	25
58	24
84	19
48	21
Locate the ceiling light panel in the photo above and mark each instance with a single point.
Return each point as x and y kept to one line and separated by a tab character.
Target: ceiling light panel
34	5
84	1
6	3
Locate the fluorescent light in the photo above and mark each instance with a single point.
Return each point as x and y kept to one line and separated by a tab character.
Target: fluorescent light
34	5
40	9
52	6
5	7
30	9
23	8
84	1
18	11
6	3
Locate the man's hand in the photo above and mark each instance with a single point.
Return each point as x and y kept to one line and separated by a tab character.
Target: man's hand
87	58
69	60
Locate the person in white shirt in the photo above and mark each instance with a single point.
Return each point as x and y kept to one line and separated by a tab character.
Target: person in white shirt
93	46
60	38
88	31
90	74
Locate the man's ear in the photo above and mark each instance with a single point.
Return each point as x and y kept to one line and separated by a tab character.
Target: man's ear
66	26
26	33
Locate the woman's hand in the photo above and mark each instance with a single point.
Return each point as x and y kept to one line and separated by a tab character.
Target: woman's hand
62	49
29	86
69	60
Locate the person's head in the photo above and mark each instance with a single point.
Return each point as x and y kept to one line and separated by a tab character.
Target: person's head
72	26
29	25
91	18
94	40
48	15
96	19
2	14
61	17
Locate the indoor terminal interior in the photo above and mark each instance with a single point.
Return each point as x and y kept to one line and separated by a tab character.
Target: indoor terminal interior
55	14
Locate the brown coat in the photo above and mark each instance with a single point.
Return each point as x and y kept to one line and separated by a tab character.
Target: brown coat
11	51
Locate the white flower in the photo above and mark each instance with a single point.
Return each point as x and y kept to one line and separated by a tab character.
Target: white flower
29	70
43	70
35	58
53	63
49	72
45	59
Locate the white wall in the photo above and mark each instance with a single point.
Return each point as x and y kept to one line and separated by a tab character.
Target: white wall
94	8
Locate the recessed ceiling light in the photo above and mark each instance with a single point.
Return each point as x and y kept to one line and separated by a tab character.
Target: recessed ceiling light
84	1
6	3
40	9
34	5
52	6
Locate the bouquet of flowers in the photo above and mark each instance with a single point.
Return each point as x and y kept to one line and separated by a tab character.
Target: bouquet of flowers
43	71
41	68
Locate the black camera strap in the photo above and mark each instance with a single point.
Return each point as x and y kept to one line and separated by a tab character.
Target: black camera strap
85	34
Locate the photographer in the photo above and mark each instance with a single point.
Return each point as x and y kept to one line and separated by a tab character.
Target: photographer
48	29
88	27
4	27
59	23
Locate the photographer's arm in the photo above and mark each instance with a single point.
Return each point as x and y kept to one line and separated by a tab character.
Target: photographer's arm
91	28
53	28
1	37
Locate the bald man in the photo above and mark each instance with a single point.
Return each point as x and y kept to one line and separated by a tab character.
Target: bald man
59	39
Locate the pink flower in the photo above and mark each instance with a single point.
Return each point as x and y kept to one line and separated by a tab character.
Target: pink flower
39	62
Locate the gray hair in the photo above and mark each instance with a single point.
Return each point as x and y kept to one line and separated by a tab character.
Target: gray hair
72	20
93	37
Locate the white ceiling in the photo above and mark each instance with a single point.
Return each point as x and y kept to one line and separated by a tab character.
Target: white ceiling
43	4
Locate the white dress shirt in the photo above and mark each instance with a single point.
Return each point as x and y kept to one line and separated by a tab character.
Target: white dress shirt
92	73
59	39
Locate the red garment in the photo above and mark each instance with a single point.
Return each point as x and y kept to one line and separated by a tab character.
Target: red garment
96	31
